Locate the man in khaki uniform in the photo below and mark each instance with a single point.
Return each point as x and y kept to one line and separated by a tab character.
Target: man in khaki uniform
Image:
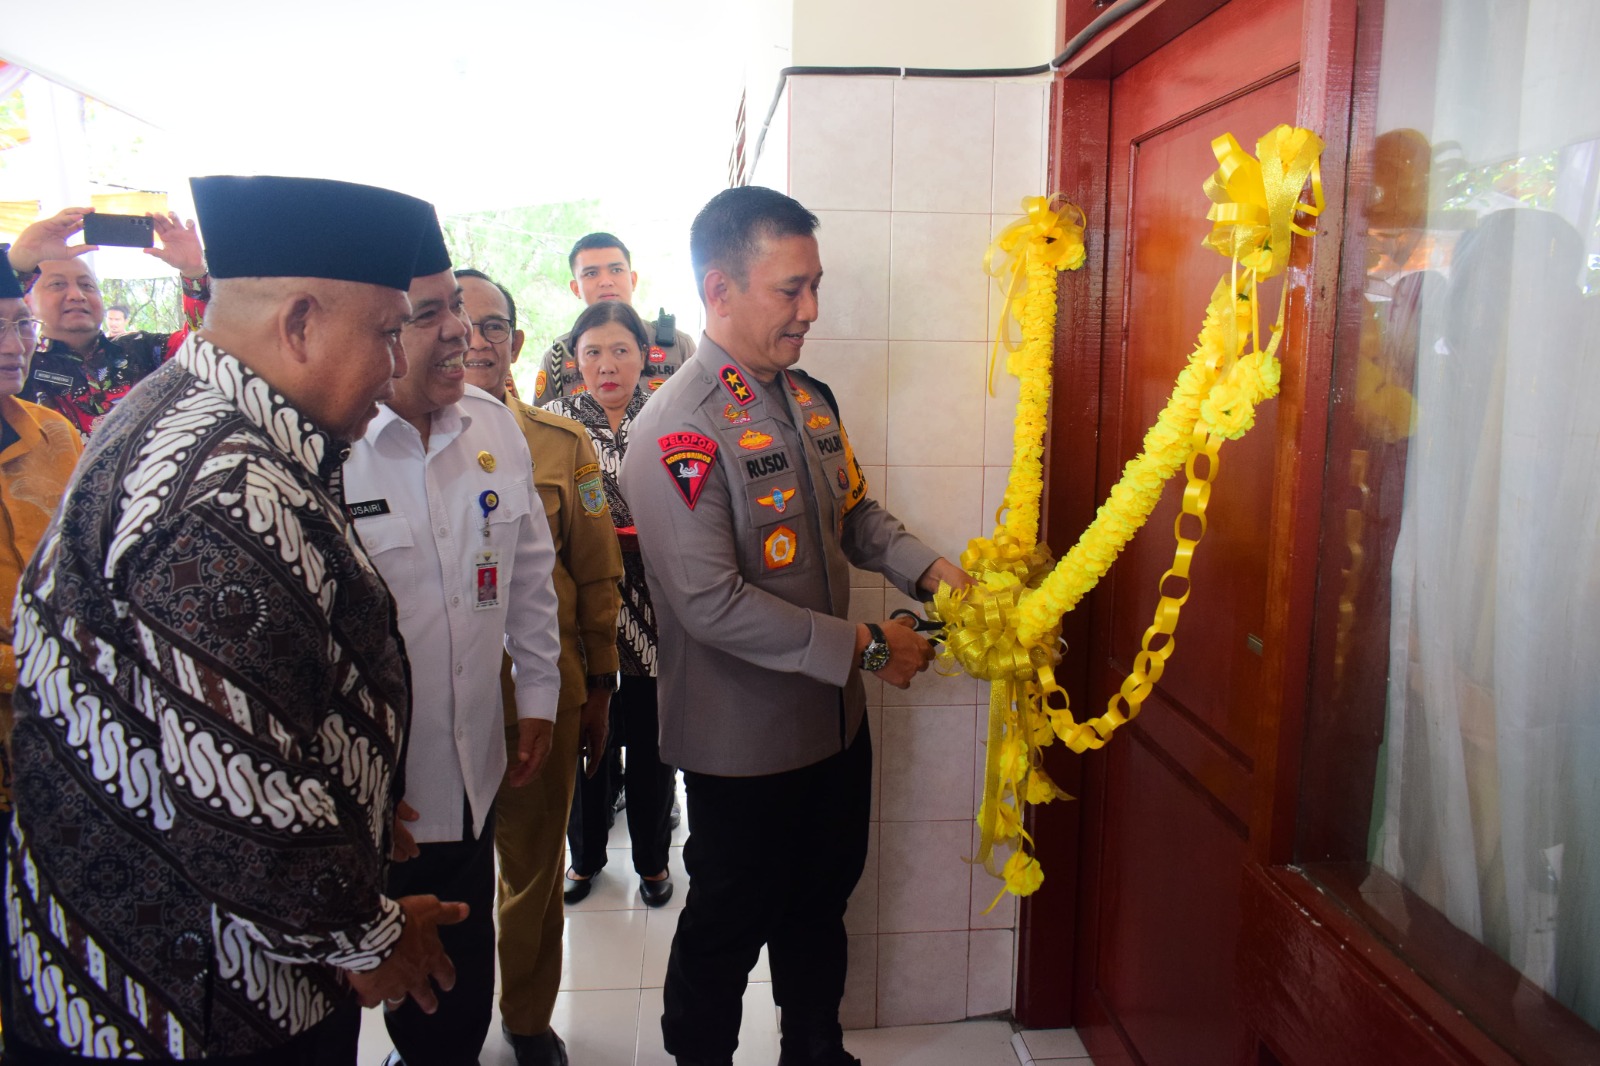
751	507
531	821
602	269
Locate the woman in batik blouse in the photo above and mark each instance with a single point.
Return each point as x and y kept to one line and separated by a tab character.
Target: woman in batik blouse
610	344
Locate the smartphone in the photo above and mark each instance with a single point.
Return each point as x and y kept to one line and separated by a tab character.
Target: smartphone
125	231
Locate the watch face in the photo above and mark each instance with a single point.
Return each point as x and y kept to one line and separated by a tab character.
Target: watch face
876	657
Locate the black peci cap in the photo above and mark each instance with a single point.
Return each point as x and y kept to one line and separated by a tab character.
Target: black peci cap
432	255
10	288
275	227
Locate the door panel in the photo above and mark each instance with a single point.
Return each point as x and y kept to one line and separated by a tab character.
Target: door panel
1173	797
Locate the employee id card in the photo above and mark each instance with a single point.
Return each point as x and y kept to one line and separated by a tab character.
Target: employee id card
486	565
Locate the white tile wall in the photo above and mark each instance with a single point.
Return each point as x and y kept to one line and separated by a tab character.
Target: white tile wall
841	138
853	302
922	978
937	288
943	145
911	179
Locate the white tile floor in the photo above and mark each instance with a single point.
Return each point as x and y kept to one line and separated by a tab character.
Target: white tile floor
609	1008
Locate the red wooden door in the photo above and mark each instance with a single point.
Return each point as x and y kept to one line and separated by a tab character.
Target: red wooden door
1169	805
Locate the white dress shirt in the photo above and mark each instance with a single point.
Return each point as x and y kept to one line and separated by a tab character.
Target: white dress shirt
420	515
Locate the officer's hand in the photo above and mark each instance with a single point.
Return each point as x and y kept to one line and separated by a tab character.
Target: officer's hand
180	245
405	845
945	572
596	727
47	239
909	652
534	736
418	961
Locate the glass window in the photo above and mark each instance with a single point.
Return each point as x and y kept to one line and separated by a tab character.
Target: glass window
1454	737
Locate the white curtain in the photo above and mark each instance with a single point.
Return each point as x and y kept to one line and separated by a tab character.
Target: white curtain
1490	785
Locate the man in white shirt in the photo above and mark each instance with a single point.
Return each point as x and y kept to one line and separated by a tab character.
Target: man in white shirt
441	492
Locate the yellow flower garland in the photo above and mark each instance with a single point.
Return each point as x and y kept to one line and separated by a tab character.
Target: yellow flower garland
1006	628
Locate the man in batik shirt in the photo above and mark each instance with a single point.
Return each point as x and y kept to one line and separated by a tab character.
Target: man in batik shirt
214	699
78	371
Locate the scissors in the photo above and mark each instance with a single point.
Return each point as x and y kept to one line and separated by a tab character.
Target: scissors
918	623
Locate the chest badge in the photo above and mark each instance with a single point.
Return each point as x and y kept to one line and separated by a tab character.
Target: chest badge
486	461
658	354
540	380
754	440
818	421
734	415
779	549
734	382
778	499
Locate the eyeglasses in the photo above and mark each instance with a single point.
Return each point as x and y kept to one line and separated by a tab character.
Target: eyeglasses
27	328
494	330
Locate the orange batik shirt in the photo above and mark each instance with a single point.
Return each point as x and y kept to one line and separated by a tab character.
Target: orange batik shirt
39	453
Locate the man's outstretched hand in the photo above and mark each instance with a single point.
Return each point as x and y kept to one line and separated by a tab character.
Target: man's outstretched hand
418	962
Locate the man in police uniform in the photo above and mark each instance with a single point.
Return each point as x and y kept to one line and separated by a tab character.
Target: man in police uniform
762	702
602	269
441	490
529	821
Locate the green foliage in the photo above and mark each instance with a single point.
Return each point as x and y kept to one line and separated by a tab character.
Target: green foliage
154	304
525	249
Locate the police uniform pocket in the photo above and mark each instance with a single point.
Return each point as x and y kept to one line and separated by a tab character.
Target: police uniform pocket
387	540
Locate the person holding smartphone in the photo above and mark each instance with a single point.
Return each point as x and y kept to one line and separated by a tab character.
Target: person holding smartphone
80	372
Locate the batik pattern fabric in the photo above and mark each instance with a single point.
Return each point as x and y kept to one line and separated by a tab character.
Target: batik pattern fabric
211	707
636	621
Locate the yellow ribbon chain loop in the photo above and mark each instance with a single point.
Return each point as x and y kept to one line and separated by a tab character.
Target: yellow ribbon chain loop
1006	628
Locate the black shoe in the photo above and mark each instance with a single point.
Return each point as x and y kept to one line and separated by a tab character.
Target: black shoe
833	1057
546	1049
685	1060
655	893
813	1038
578	888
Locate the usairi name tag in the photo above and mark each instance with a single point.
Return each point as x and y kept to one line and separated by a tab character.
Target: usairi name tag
486	565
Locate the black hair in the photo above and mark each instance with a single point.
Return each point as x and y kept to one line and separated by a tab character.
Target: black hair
590	241
511	305
119	307
728	230
603	312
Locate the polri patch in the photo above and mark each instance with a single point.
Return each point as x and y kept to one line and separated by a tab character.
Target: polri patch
779	549
539	381
734	382
688	458
658	354
367	508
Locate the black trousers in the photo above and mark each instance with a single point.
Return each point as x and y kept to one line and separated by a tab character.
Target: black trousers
457	871
636	725
772	860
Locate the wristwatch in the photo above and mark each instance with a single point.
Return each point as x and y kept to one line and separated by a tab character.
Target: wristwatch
875	656
610	682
